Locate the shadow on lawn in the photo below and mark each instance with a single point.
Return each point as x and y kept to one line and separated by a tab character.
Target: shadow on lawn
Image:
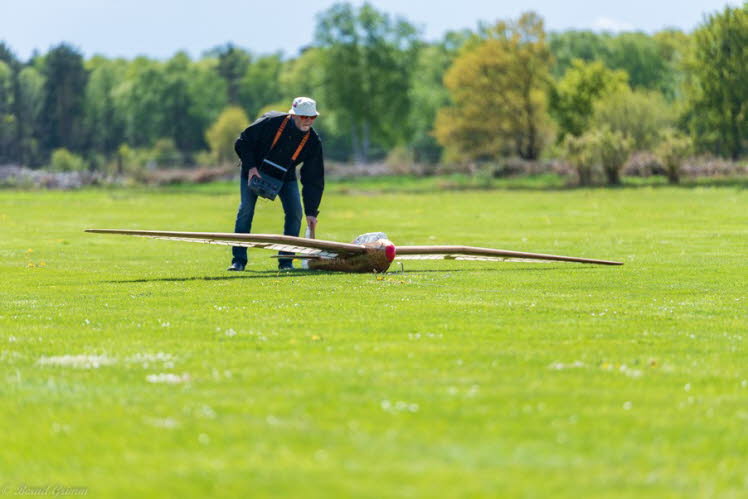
247	274
274	274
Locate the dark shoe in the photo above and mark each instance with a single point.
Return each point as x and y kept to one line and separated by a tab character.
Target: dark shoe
285	263
236	267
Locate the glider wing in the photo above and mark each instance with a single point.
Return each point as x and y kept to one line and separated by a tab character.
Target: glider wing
473	253
311	248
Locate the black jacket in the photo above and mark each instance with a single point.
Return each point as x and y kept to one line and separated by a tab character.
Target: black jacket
254	144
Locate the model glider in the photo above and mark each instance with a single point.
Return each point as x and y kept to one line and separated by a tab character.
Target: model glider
372	252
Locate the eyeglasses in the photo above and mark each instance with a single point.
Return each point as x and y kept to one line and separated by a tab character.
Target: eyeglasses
312	118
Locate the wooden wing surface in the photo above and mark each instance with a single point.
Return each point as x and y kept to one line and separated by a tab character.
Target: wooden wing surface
304	247
487	254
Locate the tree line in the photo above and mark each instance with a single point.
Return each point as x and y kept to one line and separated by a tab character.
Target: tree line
508	89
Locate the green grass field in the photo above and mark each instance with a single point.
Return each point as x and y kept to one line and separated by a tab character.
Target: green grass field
139	368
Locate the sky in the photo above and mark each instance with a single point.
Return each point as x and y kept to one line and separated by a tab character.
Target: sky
160	28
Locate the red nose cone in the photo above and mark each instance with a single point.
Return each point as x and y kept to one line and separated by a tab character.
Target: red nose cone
390	252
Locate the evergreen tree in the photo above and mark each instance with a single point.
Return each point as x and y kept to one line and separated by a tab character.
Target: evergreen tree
233	64
64	90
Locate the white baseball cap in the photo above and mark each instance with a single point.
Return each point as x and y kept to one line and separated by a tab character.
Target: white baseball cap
304	106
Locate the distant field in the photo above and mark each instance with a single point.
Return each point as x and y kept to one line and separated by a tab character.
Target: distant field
141	368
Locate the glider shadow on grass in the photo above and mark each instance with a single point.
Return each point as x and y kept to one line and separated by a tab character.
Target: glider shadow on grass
274	274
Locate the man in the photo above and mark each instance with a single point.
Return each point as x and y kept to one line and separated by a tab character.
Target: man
292	140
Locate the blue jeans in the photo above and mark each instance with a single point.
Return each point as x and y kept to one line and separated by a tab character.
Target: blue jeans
291	200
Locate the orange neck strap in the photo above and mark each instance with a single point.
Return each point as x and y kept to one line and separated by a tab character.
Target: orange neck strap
280	132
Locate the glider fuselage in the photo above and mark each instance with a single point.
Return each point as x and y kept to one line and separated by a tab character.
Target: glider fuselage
378	257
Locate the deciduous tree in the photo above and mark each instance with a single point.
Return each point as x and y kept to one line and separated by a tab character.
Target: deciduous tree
260	84
572	99
11	127
8	119
29	112
498	88
176	100
640	115
139	101
367	61
718	87
223	133
581	153
640	56
673	148
428	94
568	46
651	61
105	126
613	149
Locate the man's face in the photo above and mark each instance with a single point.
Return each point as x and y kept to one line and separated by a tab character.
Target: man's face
303	123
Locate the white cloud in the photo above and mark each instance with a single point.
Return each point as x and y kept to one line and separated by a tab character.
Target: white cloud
608	24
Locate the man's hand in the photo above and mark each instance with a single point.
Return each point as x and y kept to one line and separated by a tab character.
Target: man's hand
253	172
311	223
